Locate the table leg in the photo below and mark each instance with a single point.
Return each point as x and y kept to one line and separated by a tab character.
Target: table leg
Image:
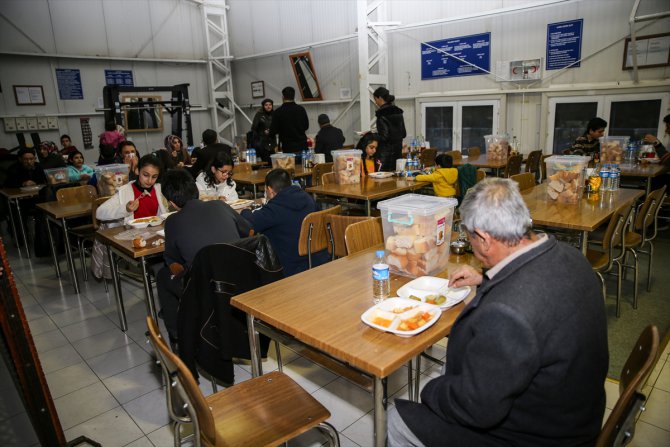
148	290
585	242
68	256
116	282
417	378
23	229
648	186
410	379
380	411
255	191
254	347
368	205
53	246
11	221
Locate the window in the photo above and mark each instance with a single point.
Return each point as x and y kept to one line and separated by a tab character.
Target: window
460	124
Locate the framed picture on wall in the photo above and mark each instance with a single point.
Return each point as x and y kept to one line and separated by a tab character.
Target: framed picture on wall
257	89
29	95
305	76
652	51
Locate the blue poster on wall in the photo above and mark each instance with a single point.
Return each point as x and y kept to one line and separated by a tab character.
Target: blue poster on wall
564	44
69	83
457	56
119	77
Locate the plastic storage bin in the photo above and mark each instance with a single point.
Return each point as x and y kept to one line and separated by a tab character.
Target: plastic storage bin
497	147
612	149
417	232
57	176
110	178
347	166
283	160
565	177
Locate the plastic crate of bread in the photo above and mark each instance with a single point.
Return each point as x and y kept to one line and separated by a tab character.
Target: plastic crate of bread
111	177
347	166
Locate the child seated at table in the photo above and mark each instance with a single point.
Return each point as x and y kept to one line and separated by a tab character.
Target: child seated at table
217	178
444	178
368	144
77	171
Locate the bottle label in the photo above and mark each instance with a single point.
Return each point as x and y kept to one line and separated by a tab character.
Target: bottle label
380	272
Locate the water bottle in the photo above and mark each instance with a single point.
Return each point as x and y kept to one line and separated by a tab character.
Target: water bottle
252	156
381	282
604	177
615	175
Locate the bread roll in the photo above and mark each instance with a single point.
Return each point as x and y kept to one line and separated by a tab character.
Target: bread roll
139	242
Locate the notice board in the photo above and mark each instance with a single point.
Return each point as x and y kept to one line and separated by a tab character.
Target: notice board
69	83
564	44
119	77
474	49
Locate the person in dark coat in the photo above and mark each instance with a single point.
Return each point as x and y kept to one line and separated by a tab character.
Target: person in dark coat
328	138
260	129
390	127
26	171
49	157
290	122
527	357
196	225
280	220
206	154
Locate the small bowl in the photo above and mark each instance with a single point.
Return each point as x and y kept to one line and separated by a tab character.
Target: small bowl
458	247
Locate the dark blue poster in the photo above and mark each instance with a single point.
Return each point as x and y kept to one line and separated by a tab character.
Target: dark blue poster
564	44
69	83
119	77
475	49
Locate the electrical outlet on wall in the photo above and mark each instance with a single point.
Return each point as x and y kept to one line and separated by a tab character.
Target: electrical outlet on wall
10	124
31	123
21	124
52	122
42	123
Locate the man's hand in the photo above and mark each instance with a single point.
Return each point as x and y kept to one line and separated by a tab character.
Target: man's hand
465	276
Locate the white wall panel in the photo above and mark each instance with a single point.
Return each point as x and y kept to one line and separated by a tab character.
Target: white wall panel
31	17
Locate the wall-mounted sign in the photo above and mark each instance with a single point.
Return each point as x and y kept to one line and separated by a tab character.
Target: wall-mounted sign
31	123
564	44
69	83
21	124
652	51
257	89
457	56
119	77
28	95
52	122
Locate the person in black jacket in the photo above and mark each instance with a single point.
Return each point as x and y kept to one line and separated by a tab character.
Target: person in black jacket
290	122
328	138
196	225
49	157
260	130
206	154
26	171
390	127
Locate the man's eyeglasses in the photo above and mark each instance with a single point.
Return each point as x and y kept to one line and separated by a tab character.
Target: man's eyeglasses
225	172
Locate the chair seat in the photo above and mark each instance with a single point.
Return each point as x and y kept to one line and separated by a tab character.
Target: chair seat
264	411
83	230
598	259
632	239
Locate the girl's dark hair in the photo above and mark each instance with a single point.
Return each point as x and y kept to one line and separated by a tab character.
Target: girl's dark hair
444	161
71	155
110	126
220	160
384	94
363	143
150	160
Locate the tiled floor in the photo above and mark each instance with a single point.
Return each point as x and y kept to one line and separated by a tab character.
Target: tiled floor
106	386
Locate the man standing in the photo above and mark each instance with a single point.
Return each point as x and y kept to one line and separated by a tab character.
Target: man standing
528	356
290	122
207	153
328	138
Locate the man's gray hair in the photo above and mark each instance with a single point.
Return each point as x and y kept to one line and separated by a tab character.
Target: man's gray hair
495	206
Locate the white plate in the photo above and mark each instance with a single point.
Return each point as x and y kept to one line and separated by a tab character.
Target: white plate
430	285
396	310
379	175
240	203
33	188
143	222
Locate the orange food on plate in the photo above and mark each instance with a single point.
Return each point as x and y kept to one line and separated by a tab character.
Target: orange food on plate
415	322
383	322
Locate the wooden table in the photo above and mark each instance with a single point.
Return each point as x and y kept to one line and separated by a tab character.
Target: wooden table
369	189
14	197
327	319
584	216
257	177
59	214
482	161
649	171
116	247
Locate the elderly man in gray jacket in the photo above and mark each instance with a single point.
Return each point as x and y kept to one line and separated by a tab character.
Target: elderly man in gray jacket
527	357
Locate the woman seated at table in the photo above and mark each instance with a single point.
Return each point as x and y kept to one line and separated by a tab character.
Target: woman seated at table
368	144
659	147
77	171
217	178
49	156
177	151
444	178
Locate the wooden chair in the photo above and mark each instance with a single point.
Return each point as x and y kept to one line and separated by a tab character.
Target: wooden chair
645	229
76	194
543	168
328	178
474	151
363	235
533	162
513	165
602	262
318	170
427	157
619	428
336	226
313	237
243	167
86	233
525	180
481	175
456	155
263	411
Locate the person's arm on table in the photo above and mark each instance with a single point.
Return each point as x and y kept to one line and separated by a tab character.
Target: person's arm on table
465	275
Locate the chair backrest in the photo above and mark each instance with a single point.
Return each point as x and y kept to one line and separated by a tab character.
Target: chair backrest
648	212
318	170
533	161
467	178
363	235
614	234
96	203
328	178
525	180
76	194
336	226
474	151
513	165
456	155
428	157
243	167
203	414
481	175
543	167
313	237
620	426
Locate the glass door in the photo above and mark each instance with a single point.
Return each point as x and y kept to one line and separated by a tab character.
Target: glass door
459	124
567	120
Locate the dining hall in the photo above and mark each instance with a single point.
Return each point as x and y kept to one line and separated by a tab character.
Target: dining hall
334	223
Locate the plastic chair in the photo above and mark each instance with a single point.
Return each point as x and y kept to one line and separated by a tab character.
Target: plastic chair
336	226
263	411
513	165
619	428
525	180
318	170
363	235
313	236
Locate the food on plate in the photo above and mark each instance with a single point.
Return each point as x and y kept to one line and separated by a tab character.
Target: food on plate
158	242
347	169
415	298
141	220
139	242
565	186
436	299
416	321
399	310
383	322
611	152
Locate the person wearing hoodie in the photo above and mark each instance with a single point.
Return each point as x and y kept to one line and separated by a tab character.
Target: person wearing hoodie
390	127
281	218
444	178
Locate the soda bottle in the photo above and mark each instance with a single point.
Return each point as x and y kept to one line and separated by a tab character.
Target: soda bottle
381	283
